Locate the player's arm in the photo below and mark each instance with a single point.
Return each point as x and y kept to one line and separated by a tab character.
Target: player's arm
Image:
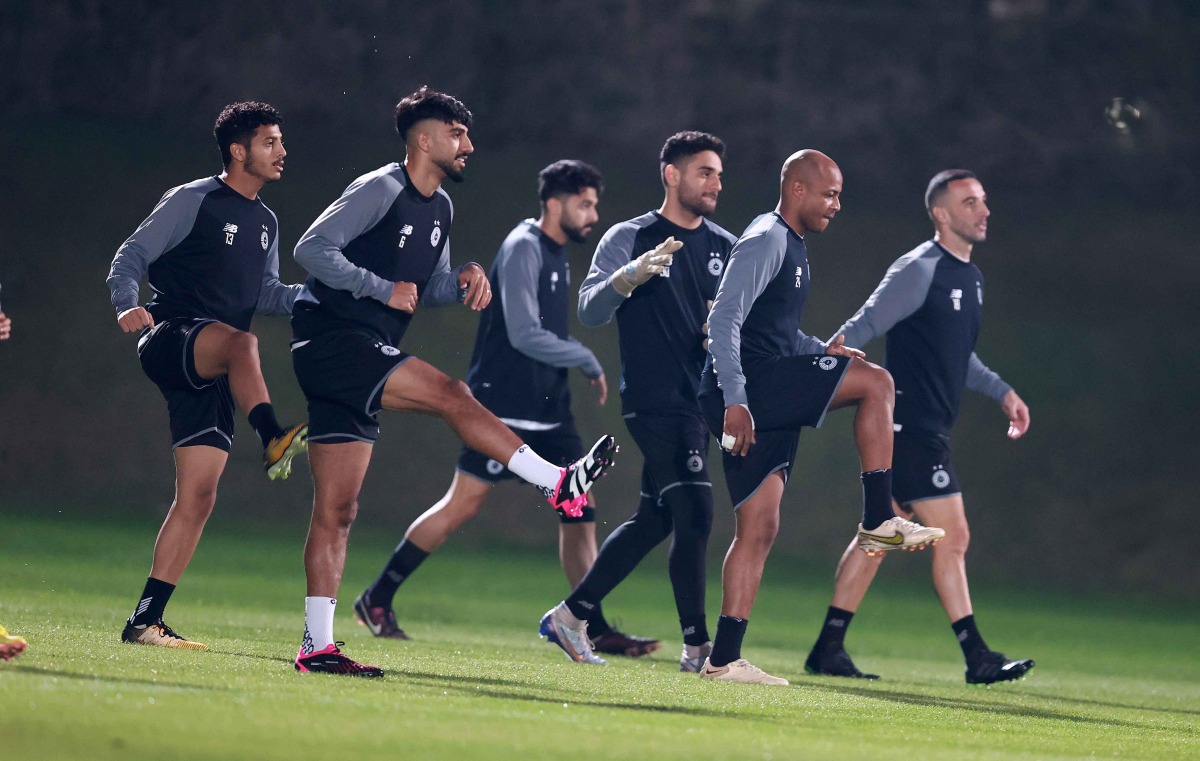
467	283
615	273
274	297
320	250
752	265
901	293
169	223
517	270
984	380
5	326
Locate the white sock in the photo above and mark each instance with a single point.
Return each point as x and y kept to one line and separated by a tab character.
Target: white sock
528	465
318	623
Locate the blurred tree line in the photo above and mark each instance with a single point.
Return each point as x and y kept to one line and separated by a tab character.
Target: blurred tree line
1091	267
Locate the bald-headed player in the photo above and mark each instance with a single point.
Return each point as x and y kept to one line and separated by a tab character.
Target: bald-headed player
376	254
765	379
930	305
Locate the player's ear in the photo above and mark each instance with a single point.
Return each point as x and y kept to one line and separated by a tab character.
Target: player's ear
238	152
671	175
939	215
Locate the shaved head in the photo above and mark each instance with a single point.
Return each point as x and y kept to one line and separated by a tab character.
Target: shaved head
806	166
810	186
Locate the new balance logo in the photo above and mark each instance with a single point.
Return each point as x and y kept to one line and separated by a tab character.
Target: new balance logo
956	297
230	231
799	277
406	230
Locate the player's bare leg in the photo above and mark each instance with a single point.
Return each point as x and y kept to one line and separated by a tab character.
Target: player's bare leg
869	388
754	535
741	576
197	473
950	555
460	504
222	350
577	548
338	473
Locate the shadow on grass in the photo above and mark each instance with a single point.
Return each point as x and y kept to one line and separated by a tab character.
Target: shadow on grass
980	706
469	685
117	679
1107	704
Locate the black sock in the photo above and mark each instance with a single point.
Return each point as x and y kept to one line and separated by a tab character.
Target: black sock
969	638
833	631
262	418
695	630
587	516
877	497
727	647
400	566
152	603
597	625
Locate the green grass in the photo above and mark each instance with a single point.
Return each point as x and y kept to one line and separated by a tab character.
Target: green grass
1114	677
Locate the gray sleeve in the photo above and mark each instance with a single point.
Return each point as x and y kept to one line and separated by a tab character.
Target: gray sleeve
985	381
442	287
810	344
275	298
517	272
752	265
598	300
359	209
901	293
169	223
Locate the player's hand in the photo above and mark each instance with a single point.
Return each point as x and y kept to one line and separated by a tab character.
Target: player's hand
601	389
404	297
473	283
5	327
640	270
704	327
1018	415
739	430
838	347
133	320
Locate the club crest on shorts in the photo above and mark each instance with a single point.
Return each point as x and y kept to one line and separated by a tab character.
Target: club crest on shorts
494	467
695	462
389	351
941	479
826	363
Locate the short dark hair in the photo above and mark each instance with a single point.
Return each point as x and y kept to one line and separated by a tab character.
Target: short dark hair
237	123
429	104
567	178
688	143
937	186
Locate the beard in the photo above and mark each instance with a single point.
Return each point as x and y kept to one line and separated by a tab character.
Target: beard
577	234
450	170
255	169
697	204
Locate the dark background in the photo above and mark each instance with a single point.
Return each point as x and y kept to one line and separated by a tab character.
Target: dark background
1091	263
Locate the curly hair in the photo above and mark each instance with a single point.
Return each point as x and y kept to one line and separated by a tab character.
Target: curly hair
237	123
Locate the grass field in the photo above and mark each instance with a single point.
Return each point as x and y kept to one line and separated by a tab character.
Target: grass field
1114	677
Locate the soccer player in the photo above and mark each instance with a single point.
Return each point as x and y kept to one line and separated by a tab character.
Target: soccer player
373	256
211	252
929	304
519	372
762	369
657	273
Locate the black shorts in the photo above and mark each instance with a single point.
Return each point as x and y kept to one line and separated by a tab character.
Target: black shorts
200	409
785	395
921	469
674	451
342	373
